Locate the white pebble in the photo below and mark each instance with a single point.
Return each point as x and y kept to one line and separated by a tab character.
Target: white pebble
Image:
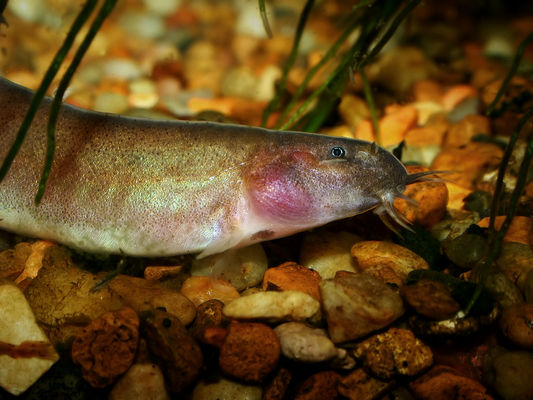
303	343
111	103
120	68
147	26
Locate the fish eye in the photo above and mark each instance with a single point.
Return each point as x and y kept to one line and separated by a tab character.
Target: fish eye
337	152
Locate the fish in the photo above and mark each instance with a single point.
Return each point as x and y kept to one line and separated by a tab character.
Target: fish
141	187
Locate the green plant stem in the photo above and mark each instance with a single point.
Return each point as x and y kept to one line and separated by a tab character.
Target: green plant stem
496	237
103	13
512	71
45	84
290	61
264	18
371	105
329	54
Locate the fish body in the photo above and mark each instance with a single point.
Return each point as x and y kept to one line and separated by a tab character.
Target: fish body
157	188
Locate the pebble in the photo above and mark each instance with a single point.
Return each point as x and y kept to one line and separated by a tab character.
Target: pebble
394	352
110	102
277	387
292	276
462	132
362	386
202	69
143	295
142	25
208	315
357	304
516	323
470	161
273	306
399	68
328	252
456	95
225	389
243	268
353	110
199	289
142	93
105	349
427	90
302	343
23	262
162	7
431	299
26	351
119	68
509	373
431	201
250	351
62	296
387	261
443	383
178	355
515	261
465	250
428	133
504	292
321	385
520	230
141	381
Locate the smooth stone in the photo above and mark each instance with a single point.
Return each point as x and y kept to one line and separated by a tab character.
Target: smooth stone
303	343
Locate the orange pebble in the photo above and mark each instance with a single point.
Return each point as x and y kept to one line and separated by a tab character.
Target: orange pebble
520	230
291	276
456	95
199	289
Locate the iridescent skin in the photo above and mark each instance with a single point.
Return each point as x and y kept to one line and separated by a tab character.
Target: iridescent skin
157	188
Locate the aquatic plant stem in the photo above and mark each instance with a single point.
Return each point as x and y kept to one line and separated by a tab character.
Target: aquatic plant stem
103	13
290	61
45	84
496	237
264	18
512	71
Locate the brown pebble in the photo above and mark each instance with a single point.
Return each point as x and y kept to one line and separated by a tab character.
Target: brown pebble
462	132
431	299
105	348
322	385
516	323
208	315
157	273
468	162
178	355
250	351
277	387
291	276
362	386
444	383
387	261
394	352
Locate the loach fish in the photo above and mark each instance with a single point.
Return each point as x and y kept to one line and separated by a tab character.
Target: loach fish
158	188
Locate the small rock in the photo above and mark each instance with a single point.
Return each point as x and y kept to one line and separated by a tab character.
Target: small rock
303	343
142	94
141	381
515	261
110	102
143	295
427	90
431	134
106	347
178	355
387	261
162	7
243	268
394	352
26	351
353	110
62	296
23	261
291	276
273	306
277	387
520	230
431	299
199	289
250	351
119	68
431	199
516	323
357	304
470	161
328	252
456	95
202	70
160	272
465	250
225	389
444	383
143	25
361	386
504	292
509	373
321	385
462	132
208	315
